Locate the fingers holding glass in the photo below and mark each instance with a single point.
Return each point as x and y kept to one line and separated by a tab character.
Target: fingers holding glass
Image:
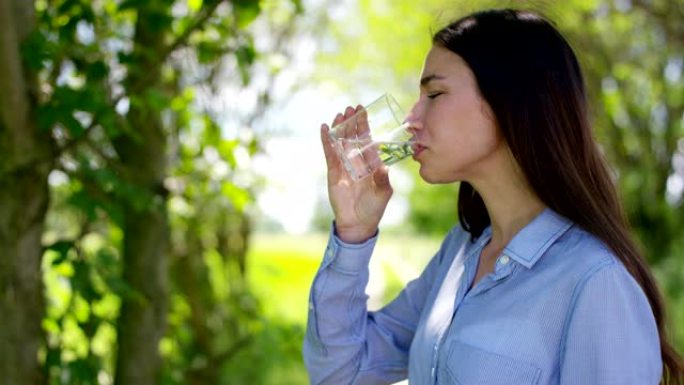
368	137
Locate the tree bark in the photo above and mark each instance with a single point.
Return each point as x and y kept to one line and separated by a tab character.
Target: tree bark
143	154
192	277
23	202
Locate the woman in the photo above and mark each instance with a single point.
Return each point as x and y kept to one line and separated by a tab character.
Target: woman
541	282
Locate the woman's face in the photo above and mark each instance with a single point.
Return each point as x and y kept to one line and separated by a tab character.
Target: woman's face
456	134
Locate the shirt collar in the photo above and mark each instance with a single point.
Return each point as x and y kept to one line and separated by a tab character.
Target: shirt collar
536	237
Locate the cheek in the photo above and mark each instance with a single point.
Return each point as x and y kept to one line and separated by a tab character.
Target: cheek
460	109
479	119
487	138
462	119
475	138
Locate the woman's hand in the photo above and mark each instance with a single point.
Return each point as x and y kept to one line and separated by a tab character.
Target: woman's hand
358	206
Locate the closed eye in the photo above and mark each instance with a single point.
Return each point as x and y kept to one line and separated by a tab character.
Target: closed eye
434	95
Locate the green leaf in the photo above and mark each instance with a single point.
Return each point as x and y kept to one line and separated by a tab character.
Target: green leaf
212	131
246	11
158	19
67	6
238	196
106	259
245	57
209	51
62	247
130	5
108	120
72	125
66	100
157	99
81	200
107	179
299	6
36	50
194	5
84	370
53	357
46	117
253	146
97	71
226	149
125	58
82	282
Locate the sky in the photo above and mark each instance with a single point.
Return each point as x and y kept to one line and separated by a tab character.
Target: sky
293	165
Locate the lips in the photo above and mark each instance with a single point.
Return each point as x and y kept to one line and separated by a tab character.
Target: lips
417	149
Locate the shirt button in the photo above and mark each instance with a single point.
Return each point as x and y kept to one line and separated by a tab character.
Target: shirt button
311	307
504	260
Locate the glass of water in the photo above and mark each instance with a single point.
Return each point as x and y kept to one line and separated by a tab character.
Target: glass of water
373	136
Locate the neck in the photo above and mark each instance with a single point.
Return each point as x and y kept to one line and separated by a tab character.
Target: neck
511	204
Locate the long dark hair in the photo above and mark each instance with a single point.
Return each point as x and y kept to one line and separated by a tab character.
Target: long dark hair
530	76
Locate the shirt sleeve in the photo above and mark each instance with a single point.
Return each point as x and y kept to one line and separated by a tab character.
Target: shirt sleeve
611	335
345	343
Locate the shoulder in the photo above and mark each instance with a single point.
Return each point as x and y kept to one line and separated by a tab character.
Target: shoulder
610	319
595	272
579	264
579	254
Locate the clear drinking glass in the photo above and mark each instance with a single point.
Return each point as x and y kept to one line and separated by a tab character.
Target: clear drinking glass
373	136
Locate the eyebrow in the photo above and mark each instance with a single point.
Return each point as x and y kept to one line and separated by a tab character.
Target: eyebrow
427	79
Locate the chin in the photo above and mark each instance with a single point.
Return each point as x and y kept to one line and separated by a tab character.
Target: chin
436	178
430	177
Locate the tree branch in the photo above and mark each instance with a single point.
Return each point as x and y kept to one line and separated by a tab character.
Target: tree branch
93	189
84	138
202	16
73	142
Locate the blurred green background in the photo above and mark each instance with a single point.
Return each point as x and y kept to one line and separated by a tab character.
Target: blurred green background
162	193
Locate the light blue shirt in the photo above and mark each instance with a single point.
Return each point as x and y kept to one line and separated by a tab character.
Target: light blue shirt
559	308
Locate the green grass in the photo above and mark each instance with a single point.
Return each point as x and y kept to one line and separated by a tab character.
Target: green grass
281	269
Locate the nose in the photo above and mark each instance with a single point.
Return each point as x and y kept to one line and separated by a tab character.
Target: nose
415	117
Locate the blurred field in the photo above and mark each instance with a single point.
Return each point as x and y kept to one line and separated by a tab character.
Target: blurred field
281	268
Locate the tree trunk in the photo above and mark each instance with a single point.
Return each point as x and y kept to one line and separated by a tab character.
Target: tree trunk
192	277
143	154
23	202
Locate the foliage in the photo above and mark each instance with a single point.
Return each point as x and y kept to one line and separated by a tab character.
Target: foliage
424	198
98	84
